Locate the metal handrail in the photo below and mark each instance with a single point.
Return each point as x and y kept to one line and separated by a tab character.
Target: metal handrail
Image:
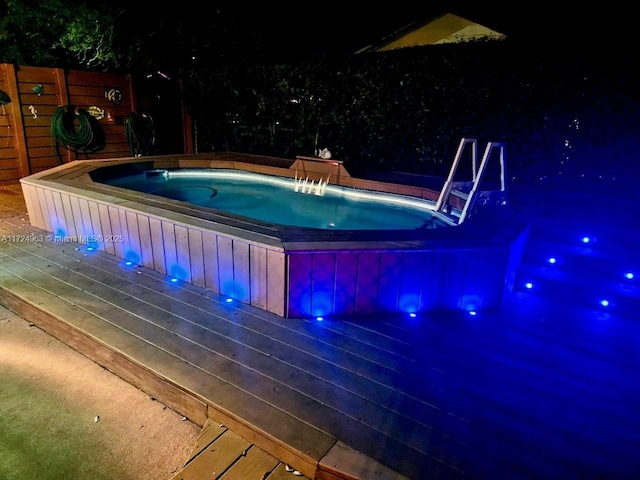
470	197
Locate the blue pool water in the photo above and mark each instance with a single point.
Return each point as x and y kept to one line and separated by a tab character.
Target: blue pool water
275	200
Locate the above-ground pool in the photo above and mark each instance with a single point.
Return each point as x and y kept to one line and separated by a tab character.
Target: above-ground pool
285	201
383	256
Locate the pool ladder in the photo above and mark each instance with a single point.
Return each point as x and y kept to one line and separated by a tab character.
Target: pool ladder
467	192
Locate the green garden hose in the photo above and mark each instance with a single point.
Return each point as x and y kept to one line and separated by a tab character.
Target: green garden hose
140	134
88	137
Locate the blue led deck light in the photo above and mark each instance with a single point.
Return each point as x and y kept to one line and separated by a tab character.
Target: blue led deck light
229	300
413	315
586	239
604	302
319	318
528	285
552	260
629	275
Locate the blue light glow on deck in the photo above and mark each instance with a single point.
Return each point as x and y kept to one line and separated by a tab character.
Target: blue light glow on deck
132	258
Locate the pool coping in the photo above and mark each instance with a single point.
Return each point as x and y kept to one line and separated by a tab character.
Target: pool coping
74	177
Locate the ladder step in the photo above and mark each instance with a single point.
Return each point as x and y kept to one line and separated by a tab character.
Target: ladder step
460	194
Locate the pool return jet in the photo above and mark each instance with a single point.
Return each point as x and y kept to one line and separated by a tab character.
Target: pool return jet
303	185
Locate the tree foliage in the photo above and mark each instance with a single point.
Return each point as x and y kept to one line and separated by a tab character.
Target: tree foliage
120	35
56	33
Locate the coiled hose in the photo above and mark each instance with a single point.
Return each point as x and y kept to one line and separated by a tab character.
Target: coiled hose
88	137
140	133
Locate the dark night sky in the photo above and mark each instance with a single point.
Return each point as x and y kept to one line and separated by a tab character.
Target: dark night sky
287	32
321	29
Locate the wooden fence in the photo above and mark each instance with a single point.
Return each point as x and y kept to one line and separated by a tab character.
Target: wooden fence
36	93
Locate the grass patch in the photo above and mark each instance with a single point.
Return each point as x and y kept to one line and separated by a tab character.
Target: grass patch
46	437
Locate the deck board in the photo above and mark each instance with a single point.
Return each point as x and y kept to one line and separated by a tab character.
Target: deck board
215	458
547	385
259	373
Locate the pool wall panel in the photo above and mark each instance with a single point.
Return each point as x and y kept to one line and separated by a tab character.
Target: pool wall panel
61	222
146	246
105	222
169	245
225	266
117	232
372	282
367	283
52	217
68	214
211	268
391	267
276	282
42	203
258	276
85	216
293	276
247	272
323	283
299	294
134	252
196	257
345	283
157	245
96	225
241	274
77	215
410	281
183	262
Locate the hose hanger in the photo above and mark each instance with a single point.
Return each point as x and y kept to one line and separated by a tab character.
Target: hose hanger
76	130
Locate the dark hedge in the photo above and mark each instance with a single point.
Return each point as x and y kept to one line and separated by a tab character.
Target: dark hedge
567	119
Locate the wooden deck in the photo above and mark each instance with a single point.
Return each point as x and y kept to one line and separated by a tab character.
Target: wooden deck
547	387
